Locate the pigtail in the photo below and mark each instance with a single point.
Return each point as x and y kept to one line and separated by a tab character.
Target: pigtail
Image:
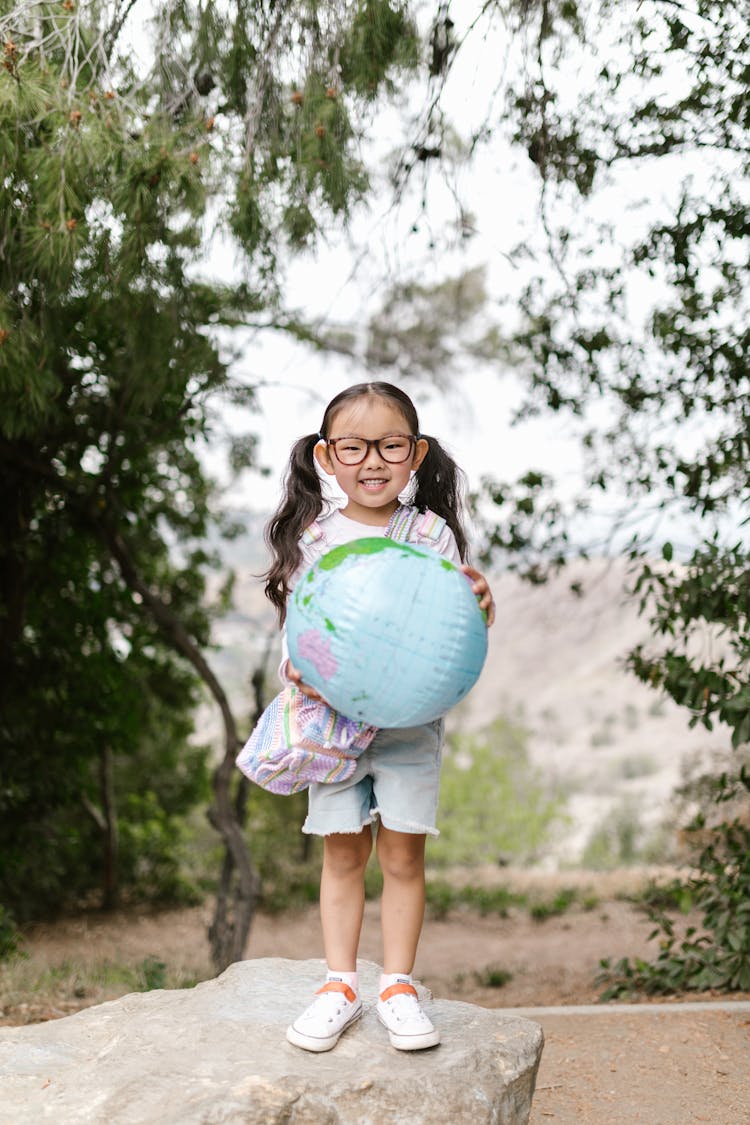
301	505
440	485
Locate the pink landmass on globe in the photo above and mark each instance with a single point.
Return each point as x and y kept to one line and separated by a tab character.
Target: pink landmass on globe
317	649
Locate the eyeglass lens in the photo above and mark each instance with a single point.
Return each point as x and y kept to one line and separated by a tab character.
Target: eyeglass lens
393	450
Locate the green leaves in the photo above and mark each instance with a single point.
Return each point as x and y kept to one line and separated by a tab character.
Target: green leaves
493	802
706	600
593	325
715	955
114	350
637	323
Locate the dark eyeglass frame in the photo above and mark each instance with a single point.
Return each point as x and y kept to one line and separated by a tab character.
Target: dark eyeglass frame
369	442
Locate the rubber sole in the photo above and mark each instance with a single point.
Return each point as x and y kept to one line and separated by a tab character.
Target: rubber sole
411	1042
312	1043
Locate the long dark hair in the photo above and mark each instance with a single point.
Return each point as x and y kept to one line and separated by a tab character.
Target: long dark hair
439	485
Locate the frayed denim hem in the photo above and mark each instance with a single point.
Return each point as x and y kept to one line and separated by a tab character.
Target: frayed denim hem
308	831
410	827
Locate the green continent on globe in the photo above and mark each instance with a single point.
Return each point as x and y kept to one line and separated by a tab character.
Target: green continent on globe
372	546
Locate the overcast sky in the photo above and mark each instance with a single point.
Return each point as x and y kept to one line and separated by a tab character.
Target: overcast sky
344	281
346	278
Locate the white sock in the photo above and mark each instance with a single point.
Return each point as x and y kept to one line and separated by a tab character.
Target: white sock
387	979
352	979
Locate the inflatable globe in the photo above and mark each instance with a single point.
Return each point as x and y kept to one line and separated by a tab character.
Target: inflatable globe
388	633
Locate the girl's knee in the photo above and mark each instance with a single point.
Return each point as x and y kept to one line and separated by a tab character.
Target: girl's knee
401	854
346	853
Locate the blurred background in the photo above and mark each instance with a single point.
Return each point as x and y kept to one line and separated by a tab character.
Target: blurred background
530	214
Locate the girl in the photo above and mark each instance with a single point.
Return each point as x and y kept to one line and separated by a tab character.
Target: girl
370	442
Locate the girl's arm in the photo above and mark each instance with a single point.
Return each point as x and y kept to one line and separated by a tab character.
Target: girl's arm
481	588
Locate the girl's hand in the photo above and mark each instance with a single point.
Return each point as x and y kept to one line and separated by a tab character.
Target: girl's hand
481	588
295	676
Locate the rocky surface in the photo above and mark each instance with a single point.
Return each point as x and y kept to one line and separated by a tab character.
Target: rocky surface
216	1055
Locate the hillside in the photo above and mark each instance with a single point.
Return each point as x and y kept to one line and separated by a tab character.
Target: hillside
556	661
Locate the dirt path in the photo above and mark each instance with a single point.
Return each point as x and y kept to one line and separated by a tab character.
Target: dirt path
663	1066
660	1067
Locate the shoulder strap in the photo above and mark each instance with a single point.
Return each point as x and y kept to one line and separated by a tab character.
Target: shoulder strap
428	525
312	533
409	525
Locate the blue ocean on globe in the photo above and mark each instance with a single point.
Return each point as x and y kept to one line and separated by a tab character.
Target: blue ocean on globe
388	633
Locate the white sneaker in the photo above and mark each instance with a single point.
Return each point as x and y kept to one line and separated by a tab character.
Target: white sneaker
334	1008
409	1029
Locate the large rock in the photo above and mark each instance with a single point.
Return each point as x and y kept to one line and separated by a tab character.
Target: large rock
217	1054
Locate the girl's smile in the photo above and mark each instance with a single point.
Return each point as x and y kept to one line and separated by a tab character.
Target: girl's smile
373	484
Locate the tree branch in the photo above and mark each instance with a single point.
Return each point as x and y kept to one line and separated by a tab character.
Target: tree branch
113	31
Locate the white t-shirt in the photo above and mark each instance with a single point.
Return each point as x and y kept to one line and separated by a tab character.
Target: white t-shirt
337	529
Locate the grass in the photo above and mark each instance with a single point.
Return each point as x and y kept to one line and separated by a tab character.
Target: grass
442	897
299	887
30	992
555	906
493	976
24	985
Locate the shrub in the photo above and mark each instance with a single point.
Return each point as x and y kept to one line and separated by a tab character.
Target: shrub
493	977
10	938
555	906
715	955
494	804
615	842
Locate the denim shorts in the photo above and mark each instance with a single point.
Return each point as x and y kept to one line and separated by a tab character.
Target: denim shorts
397	778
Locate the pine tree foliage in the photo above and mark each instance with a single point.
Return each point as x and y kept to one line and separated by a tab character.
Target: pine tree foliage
113	177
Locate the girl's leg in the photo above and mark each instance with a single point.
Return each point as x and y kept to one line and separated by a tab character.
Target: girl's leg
401	857
342	896
337	1004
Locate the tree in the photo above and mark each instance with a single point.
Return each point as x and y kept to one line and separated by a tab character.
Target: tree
636	120
113	352
644	313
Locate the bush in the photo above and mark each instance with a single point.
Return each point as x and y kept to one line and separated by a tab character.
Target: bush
554	907
441	897
493	976
715	955
494	805
152	853
10	938
287	861
52	838
615	842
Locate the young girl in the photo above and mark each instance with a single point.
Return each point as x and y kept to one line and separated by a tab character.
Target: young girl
370	442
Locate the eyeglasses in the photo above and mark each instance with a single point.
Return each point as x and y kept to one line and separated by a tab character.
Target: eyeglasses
353	450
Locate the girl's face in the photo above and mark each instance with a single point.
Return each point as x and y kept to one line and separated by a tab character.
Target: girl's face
372	487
